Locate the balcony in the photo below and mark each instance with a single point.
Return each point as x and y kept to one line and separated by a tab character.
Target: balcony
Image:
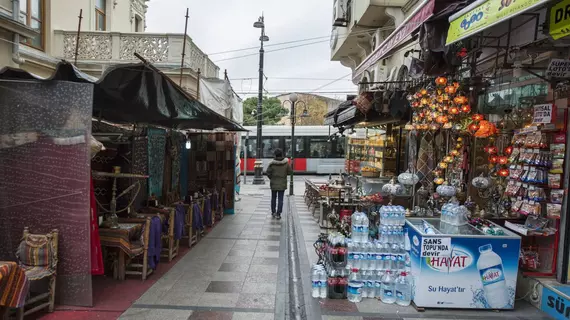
163	50
353	41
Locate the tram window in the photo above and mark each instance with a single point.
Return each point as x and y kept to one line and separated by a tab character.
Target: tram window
299	150
319	148
339	148
269	145
251	147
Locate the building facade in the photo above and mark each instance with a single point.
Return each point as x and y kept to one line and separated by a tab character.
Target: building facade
111	32
317	107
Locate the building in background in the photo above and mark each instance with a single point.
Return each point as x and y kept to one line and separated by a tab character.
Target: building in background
111	32
317	108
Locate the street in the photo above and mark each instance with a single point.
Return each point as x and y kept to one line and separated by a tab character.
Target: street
243	270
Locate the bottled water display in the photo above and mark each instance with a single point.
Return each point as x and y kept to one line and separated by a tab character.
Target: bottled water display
360	227
388	292
454	214
490	266
354	286
319	281
392	216
403	289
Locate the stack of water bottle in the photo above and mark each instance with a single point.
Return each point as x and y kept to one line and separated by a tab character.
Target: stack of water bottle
331	278
454	214
380	268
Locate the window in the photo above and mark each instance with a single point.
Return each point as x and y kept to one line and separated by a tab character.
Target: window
299	149
100	15
32	14
338	148
268	145
138	24
319	147
251	147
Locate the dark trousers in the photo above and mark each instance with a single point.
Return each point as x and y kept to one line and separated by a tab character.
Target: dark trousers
274	195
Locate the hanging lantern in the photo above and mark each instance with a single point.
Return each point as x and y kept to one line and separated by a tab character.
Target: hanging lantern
460	99
425	126
448	125
424	101
448	159
409	127
466	108
440	99
423	91
486	129
450	90
457	127
493	159
442	165
490	149
441	81
410	97
438	172
503	172
509	150
438	181
454	110
473	127
477	117
455	153
503	160
459	139
456	84
445	97
439	119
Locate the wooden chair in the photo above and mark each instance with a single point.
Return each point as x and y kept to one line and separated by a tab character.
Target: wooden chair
170	249
37	255
192	235
138	262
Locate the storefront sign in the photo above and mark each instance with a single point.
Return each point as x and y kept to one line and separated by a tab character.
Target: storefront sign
484	15
558	68
554	305
436	247
543	113
395	38
560	20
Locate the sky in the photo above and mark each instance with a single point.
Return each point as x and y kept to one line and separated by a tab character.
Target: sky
222	25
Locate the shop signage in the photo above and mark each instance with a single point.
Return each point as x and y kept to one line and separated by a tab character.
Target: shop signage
543	113
436	247
560	20
558	68
483	15
396	37
554	304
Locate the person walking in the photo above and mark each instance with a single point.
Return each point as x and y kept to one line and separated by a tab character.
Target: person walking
277	171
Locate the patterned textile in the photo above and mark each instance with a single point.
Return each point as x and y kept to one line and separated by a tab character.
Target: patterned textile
184	162
412	142
175	152
123	238
14	285
155	242
197	223
37	273
35	251
156	152
140	166
208	212
97	266
426	162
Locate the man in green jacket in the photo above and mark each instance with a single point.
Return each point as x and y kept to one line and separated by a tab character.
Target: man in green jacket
277	171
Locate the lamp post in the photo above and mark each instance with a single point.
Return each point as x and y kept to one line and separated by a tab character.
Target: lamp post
293	100
258	179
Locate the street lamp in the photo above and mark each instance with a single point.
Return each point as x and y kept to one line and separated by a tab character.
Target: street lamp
258	179
293	100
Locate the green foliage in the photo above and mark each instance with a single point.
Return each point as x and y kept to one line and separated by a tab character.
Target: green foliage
272	111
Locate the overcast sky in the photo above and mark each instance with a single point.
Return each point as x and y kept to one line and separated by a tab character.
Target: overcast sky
222	25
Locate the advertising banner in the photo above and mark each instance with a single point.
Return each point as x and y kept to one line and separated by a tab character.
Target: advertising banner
474	272
559	23
485	15
554	304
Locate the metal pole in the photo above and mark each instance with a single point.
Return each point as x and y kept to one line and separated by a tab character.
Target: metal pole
258	179
293	145
78	34
184	47
245	160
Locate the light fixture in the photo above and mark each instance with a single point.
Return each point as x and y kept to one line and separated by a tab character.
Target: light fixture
259	23
305	113
264	38
188	144
253	112
293	97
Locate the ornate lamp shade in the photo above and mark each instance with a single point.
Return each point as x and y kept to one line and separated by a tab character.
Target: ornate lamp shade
392	188
446	190
481	182
408	179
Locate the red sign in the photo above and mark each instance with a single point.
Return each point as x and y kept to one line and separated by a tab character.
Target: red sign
396	38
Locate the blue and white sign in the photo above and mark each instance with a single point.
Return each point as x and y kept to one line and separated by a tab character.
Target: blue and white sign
554	304
476	272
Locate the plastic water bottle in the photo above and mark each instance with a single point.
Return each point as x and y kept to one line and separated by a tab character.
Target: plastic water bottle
403	290
357	256
388	295
379	259
378	284
407	249
324	284
350	248
370	284
402	257
384	237
354	286
395	253
316	278
373	262
365	277
490	266
365	227
355	222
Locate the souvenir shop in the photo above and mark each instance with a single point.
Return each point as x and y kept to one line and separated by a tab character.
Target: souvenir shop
127	176
462	198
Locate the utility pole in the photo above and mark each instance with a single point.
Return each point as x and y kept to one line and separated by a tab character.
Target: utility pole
78	35
184	46
258	179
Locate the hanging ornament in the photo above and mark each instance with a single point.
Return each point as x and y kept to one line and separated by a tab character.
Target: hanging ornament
438	181
454	110
448	159
493	159
441	81
442	165
477	117
450	89
503	160
466	108
486	129
503	172
448	125
473	127
455	152
509	150
423	92
460	99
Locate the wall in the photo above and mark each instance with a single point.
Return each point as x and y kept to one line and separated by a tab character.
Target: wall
6	49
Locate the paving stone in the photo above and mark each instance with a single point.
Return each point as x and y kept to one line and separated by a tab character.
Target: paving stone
260	277
256	301
225	287
211	299
239	259
229	267
258	268
265	254
229	276
264	287
211	315
265	261
252	316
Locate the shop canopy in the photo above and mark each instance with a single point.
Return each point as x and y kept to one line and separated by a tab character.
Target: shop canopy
137	93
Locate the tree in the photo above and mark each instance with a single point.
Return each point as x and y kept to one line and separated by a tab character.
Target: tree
272	111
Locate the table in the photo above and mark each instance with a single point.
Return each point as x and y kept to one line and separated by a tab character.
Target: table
121	238
14	286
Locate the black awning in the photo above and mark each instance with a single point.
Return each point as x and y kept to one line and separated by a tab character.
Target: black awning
137	93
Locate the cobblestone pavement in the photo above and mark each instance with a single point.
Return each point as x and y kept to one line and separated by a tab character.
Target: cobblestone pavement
240	271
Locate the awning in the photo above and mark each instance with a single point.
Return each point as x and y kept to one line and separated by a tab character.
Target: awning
137	93
483	14
422	13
